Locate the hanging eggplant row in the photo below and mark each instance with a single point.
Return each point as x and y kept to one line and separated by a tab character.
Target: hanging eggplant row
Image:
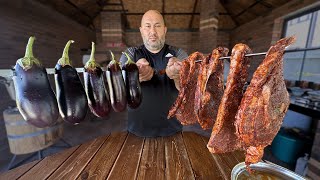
116	84
133	87
34	96
38	105
71	96
94	82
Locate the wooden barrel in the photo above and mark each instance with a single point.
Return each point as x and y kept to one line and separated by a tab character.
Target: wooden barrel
24	138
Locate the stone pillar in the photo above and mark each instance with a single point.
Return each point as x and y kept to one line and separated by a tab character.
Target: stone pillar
112	36
208	29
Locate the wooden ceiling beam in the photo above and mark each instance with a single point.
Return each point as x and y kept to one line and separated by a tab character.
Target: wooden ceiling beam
234	17
178	14
113	4
125	16
100	3
224	14
80	10
266	4
248	8
223	2
193	11
163	6
122	6
115	10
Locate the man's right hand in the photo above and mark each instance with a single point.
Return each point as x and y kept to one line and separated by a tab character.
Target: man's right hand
145	70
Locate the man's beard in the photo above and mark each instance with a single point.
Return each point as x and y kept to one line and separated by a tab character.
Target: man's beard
155	46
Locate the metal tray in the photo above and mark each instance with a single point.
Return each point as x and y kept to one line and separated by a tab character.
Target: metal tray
274	169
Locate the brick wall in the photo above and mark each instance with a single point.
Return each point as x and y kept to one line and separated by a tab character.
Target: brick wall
208	28
20	19
133	38
223	39
264	30
110	35
225	25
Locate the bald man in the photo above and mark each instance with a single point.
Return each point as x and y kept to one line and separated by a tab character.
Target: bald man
159	65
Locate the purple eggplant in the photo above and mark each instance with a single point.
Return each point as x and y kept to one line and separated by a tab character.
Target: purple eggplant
71	96
34	96
133	87
94	83
116	84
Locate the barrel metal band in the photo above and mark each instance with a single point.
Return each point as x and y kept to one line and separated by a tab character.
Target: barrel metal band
44	131
21	122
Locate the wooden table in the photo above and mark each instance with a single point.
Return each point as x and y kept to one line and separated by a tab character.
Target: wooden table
125	156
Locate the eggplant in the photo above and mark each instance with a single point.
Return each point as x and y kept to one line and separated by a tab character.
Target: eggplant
94	82
35	98
116	85
133	87
71	96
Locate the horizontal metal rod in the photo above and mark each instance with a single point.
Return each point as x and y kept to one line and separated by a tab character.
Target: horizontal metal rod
9	72
247	55
264	53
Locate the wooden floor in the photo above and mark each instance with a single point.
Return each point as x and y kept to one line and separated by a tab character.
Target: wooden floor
126	156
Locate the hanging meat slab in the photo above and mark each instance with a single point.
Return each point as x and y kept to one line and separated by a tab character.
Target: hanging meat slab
183	108
223	138
209	89
264	104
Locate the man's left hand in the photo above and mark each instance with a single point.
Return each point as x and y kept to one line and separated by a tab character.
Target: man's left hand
173	68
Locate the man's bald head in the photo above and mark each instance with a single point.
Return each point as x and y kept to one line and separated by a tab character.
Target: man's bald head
153	30
152	14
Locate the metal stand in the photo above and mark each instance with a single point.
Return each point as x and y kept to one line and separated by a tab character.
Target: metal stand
66	144
11	165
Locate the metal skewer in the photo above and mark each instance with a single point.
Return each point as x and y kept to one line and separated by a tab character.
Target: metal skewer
264	53
9	72
247	55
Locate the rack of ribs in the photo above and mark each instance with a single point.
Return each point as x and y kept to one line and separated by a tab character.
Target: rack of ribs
209	89
182	108
223	138
264	104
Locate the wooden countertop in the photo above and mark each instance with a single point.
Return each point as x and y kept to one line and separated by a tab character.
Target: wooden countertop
125	156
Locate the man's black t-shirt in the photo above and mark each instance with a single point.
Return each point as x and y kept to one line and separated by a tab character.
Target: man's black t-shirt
159	93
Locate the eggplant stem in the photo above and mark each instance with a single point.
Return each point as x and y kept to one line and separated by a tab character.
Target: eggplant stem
27	61
129	61
112	56
93	49
29	48
65	60
66	49
114	61
92	64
